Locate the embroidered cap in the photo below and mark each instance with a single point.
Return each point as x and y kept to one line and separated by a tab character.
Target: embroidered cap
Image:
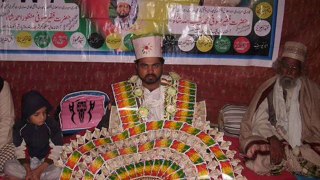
147	46
124	1
295	50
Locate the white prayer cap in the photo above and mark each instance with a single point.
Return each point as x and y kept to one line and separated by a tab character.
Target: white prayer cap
295	50
124	1
148	46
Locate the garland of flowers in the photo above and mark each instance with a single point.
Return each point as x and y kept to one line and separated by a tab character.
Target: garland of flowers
178	104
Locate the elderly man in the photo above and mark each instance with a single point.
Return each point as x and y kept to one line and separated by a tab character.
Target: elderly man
281	129
150	95
123	21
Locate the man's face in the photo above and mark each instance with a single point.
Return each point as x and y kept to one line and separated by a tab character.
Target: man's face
290	71
123	9
149	69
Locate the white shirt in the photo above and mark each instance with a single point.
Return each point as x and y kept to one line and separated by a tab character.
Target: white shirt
154	101
123	23
6	115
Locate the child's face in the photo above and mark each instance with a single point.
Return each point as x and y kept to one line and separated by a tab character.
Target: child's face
39	117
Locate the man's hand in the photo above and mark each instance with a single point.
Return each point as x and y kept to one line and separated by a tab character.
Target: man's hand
276	150
36	174
251	153
39	170
29	173
255	149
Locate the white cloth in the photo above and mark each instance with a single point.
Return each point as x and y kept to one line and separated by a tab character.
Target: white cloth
261	125
14	168
154	101
288	113
6	153
6	115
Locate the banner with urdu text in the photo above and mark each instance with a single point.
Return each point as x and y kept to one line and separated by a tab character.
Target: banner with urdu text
217	32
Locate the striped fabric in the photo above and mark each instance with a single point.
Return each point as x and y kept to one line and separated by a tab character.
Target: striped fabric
230	118
6	153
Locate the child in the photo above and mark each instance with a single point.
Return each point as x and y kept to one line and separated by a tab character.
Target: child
38	141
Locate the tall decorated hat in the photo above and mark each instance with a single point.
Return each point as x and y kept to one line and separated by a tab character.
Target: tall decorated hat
147	46
295	50
124	1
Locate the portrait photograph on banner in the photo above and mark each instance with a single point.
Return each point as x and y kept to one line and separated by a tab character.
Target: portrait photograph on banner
195	32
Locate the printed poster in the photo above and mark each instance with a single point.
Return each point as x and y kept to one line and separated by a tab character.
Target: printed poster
226	32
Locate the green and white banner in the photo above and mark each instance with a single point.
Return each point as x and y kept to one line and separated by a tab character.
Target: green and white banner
223	32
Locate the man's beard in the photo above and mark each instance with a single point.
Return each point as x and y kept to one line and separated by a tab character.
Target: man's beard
287	82
150	78
123	15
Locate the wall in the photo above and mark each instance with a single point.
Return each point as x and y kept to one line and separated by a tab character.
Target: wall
218	85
